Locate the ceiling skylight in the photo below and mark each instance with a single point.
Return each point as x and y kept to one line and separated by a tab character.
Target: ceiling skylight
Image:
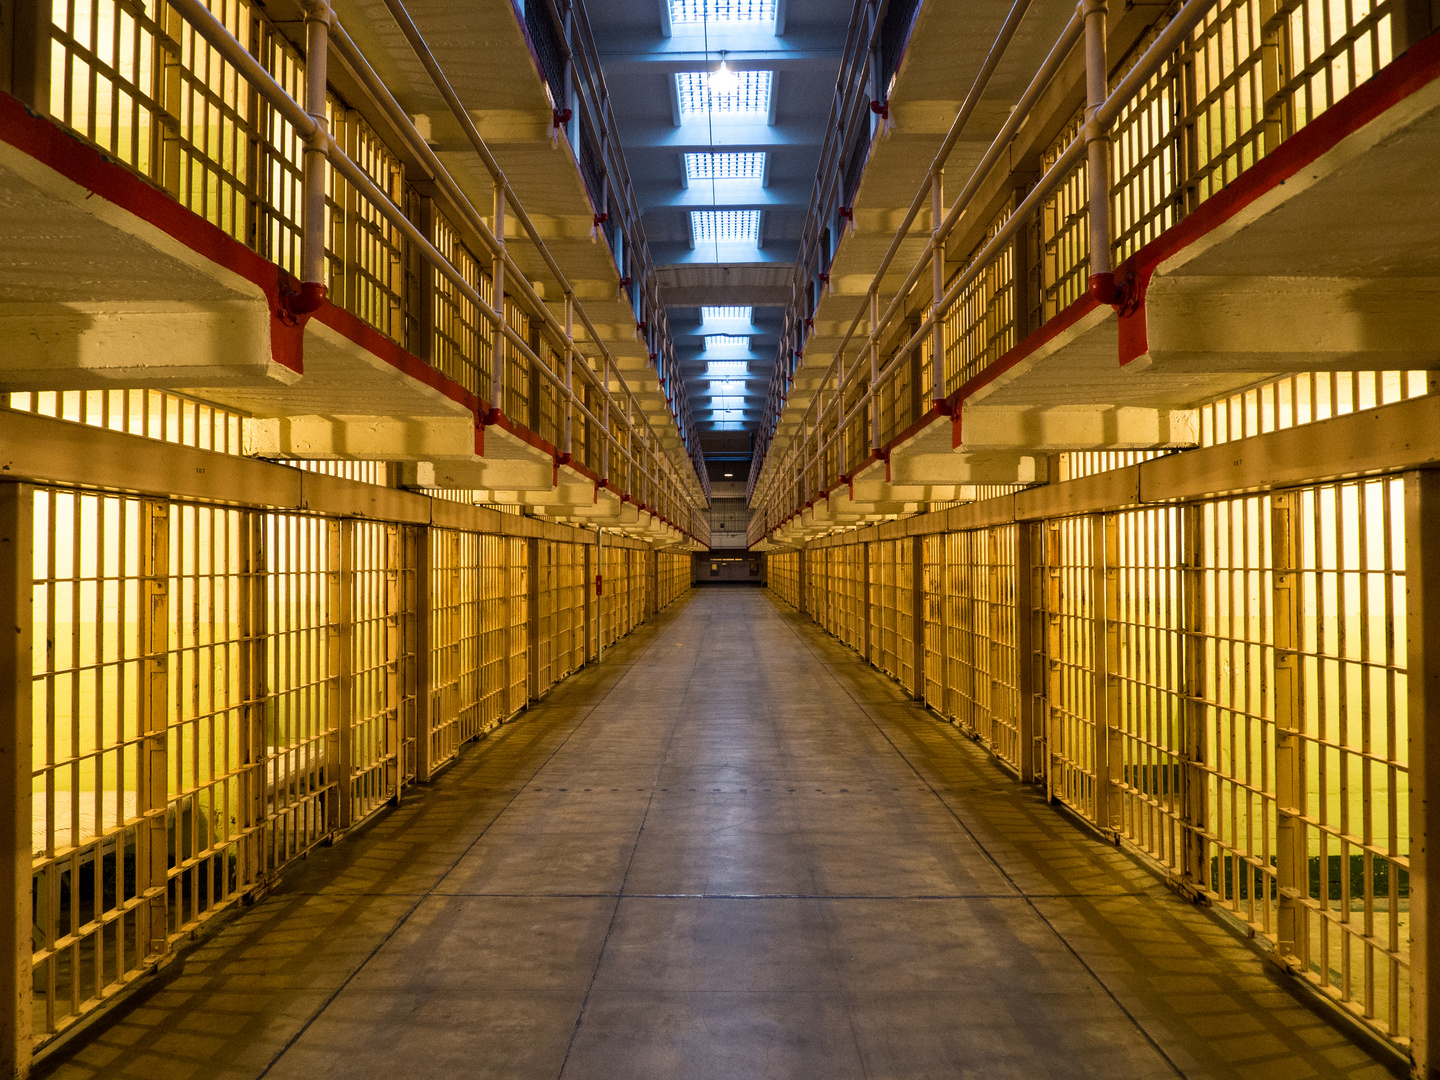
730	369
726	386
728	414
725	166
725	226
735	403
727	343
726	314
751	96
722	11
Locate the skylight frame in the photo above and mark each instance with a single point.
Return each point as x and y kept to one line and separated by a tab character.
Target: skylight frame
726	166
725	227
749	100
737	313
726	369
727	343
727	13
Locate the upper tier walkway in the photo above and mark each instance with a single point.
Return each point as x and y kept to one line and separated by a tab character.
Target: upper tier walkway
731	850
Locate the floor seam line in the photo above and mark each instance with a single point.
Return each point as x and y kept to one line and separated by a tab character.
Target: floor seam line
629	863
405	918
988	854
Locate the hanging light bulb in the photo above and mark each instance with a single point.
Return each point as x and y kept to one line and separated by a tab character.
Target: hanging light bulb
722	79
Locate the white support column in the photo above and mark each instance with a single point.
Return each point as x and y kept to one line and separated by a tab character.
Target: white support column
1097	145
1422	662
314	162
17	574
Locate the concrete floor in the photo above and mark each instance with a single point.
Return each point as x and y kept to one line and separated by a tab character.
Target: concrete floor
732	850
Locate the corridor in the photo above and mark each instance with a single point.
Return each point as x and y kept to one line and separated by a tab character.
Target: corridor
729	850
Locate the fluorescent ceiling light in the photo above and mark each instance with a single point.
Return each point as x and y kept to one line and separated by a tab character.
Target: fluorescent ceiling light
726	314
725	226
728	475
722	11
750	97
725	166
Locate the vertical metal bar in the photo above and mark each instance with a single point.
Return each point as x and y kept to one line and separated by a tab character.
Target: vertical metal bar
1290	863
867	600
425	704
1109	768
17	536
532	553
1422	663
1029	633
339	750
917	615
254	685
1195	857
599	593
393	752
154	714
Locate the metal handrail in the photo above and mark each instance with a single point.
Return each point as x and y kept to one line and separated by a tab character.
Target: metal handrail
315	137
957	127
1103	109
596	105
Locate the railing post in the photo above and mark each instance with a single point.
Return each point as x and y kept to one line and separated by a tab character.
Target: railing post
1422	662
569	371
420	308
314	160
497	301
875	369
17	577
1097	146
937	286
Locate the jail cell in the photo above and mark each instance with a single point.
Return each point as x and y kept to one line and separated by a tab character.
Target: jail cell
1219	683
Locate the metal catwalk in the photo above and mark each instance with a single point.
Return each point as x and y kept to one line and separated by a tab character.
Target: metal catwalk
731	850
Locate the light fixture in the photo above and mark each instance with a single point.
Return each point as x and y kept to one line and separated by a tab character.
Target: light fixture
722	79
728	475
